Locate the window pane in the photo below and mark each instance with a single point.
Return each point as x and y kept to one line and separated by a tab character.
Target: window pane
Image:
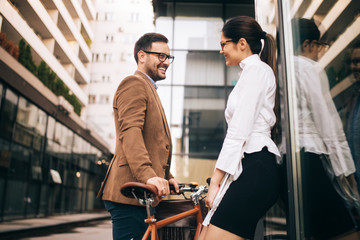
50	128
1	93
326	107
197	33
198	68
8	114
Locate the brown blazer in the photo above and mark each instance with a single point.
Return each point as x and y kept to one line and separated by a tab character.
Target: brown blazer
143	141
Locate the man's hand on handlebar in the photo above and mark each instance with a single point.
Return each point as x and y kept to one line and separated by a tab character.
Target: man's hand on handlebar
161	184
175	183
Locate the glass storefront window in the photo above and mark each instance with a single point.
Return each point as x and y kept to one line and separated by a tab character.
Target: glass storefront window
319	40
20	161
198	68
165	26
328	171
197	33
8	114
30	125
1	92
50	128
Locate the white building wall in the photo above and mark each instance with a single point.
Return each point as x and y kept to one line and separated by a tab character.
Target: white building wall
117	26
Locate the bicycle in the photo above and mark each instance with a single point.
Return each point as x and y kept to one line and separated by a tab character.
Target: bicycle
147	196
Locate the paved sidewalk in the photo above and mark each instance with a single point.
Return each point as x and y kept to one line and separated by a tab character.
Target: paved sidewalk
34	224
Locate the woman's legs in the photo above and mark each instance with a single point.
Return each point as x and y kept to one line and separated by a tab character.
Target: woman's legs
213	232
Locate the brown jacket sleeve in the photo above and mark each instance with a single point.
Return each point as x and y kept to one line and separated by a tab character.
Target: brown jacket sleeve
131	102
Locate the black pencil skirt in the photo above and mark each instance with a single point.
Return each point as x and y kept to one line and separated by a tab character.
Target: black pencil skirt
250	196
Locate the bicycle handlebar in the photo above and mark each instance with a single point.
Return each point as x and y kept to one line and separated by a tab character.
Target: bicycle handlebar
142	192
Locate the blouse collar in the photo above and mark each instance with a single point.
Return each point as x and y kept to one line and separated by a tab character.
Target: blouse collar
249	59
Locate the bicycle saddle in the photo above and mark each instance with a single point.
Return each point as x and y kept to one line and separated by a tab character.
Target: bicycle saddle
138	190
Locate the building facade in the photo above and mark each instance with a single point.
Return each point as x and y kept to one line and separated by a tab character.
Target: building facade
51	162
117	24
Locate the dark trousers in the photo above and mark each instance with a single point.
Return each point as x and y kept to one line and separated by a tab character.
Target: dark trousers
127	220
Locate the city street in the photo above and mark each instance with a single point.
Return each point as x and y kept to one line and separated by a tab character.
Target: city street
89	231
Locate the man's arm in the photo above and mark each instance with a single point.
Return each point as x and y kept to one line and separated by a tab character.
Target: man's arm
131	101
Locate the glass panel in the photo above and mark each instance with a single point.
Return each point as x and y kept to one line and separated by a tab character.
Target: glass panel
5	156
165	97
44	197
77	146
50	128
32	199
25	119
40	125
1	93
198	68
164	26
197	33
15	199
203	122
8	114
325	43
20	161
198	9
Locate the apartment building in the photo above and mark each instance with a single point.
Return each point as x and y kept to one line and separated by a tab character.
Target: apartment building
51	161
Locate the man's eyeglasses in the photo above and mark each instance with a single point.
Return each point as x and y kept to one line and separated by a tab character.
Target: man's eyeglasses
322	45
222	44
162	56
354	61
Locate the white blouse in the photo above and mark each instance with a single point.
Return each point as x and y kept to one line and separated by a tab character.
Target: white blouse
249	114
320	127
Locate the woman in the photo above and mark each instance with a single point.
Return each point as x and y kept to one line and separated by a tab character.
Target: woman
245	182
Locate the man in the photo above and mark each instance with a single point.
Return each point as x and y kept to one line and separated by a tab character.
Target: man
143	141
353	110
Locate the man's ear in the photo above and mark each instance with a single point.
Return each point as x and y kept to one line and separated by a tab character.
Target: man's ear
141	56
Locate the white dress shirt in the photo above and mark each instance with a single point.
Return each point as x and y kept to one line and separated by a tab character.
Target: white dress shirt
319	125
249	114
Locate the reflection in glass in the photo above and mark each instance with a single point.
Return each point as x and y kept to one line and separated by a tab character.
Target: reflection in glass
8	114
329	191
1	92
350	108
50	128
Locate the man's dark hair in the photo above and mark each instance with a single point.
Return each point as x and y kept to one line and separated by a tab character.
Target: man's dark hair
145	42
304	29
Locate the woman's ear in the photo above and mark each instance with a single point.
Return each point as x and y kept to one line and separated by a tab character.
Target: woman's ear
305	45
242	44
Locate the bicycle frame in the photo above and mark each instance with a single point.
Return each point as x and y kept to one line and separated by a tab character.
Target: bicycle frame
146	194
154	225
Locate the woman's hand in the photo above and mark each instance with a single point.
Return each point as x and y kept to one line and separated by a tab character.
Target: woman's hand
214	187
212	191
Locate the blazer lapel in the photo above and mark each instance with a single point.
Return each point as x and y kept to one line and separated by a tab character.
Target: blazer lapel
161	109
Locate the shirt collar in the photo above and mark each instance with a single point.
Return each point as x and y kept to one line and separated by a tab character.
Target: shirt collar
249	59
152	81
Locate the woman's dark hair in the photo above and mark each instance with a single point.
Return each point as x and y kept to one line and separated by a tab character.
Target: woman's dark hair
145	42
304	29
246	27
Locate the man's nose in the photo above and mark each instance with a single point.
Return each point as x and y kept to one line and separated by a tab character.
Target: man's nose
167	61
